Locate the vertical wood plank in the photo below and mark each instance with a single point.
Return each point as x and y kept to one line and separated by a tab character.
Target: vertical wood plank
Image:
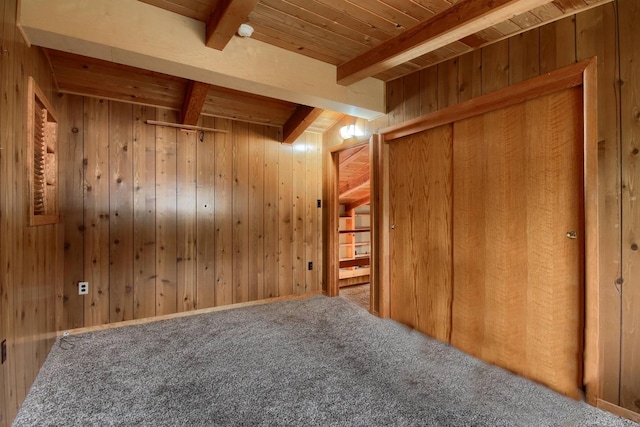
395	98
411	92
256	254
447	83
320	215
429	90
4	309
629	16
495	66
4	285
557	44
312	212
96	211
30	257
240	212
144	213
596	36
271	218
285	220
24	349
186	221
69	305
224	214
205	216
166	211
299	243
120	212
470	75
524	56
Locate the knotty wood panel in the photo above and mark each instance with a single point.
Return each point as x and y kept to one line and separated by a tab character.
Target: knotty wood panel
285	220
271	223
144	213
3	287
629	13
469	76
121	208
186	221
421	217
70	142
597	29
29	256
298	216
241	213
448	83
96	211
166	208
224	214
205	210
256	258
518	281
24	326
312	212
205	216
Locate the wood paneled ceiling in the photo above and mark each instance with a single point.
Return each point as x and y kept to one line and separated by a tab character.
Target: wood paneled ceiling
353	177
81	75
385	39
336	31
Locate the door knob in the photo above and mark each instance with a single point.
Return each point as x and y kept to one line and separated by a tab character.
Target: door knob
572	234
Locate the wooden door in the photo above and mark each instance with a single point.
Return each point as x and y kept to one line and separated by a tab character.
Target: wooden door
518	280
420	238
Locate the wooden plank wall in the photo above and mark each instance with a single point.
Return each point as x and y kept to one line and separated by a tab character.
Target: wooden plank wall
591	33
30	263
160	221
629	15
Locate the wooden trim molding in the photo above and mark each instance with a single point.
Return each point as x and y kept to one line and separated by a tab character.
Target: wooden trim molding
579	74
332	247
618	410
182	314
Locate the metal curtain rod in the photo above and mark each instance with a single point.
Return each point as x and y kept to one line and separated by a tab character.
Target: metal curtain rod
187	127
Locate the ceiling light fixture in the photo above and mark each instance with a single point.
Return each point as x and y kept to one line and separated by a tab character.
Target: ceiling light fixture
245	30
350	131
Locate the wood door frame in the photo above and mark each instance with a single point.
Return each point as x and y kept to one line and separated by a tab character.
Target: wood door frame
332	247
579	74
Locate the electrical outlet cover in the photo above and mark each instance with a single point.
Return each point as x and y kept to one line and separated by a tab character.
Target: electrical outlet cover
83	288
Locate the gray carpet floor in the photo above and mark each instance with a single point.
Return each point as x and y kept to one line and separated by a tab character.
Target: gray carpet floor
359	294
319	361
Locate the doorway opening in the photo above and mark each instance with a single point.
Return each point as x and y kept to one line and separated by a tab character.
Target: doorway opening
351	207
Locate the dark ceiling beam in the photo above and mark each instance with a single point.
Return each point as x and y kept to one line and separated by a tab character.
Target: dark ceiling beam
194	100
225	20
461	20
299	121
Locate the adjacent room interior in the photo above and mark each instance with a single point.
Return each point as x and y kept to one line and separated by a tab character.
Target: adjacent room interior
317	180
